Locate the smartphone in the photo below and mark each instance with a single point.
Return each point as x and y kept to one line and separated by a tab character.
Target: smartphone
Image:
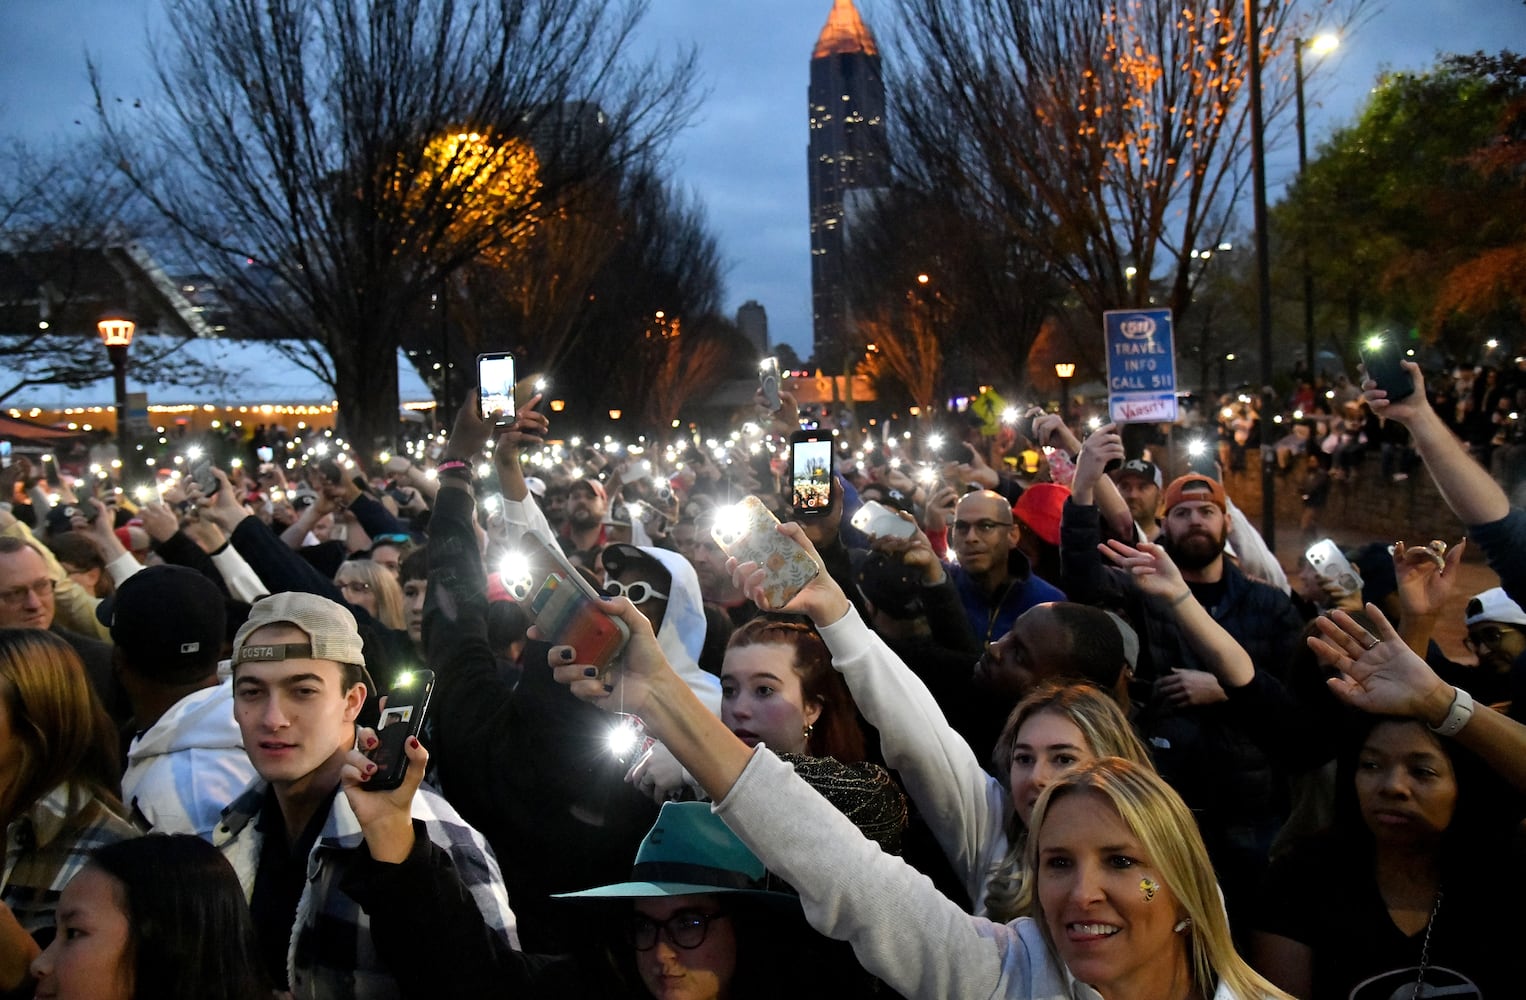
1380	356
565	606
330	471
1332	566
407	701
810	462
874	518
768	378
5	454
495	384
265	454
200	473
951	448
749	532
1203	458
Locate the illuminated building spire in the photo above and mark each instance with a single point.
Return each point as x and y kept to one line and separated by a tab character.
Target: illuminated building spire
845	32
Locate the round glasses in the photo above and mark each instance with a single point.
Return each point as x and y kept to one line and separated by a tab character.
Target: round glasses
639	592
685	929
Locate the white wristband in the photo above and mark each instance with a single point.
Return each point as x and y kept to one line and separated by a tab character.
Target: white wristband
1457	716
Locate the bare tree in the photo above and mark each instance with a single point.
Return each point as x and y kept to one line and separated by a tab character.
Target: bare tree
66	256
1108	136
334	162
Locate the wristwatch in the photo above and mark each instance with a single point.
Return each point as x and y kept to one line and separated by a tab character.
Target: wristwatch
1457	716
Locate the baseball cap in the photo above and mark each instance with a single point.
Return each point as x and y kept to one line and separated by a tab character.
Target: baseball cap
1040	508
592	484
169	621
330	628
1140	467
1194	486
536	485
1493	605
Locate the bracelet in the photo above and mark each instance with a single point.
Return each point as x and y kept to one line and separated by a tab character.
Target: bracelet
1457	716
454	463
1179	598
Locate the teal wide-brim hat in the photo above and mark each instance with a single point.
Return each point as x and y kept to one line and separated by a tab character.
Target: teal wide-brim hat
689	852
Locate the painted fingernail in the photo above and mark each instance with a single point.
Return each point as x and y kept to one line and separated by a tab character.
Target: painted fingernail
413	741
608	688
370	769
566	653
591	672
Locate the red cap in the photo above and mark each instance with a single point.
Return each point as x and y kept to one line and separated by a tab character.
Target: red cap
1195	486
1040	507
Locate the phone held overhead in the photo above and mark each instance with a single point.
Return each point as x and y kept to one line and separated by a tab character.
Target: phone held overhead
495	384
1381	357
749	532
810	463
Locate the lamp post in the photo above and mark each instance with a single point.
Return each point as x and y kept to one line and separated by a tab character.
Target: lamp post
116	333
1263	268
1065	371
1321	44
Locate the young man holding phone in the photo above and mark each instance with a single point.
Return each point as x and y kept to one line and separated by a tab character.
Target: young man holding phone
294	837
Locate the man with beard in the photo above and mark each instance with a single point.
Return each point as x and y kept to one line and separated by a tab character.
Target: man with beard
1139	483
1191	724
583	535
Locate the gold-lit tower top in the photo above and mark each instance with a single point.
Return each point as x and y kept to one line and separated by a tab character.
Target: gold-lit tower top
845	32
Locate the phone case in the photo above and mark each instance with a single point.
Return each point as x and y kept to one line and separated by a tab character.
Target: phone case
874	518
754	537
1332	565
565	607
403	717
768	378
1382	363
811	493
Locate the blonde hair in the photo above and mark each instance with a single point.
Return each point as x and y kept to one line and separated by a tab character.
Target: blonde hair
384	587
1107	733
60	729
1155	814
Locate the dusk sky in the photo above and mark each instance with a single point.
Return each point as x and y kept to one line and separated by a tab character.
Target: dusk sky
745	154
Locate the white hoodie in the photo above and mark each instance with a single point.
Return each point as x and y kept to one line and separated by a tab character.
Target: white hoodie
184	769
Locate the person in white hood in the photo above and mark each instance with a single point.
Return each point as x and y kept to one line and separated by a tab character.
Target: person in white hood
187	760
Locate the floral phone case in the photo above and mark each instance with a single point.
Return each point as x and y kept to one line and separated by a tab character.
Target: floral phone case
753	536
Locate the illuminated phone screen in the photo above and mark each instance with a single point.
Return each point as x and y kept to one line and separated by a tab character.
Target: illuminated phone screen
495	382
811	477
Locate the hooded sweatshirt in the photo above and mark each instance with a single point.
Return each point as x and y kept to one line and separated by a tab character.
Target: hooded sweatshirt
184	769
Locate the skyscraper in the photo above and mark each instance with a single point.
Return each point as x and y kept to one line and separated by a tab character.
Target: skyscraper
847	159
752	324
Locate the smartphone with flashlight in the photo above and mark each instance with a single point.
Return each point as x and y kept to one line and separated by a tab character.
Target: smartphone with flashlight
1380	356
749	532
495	384
201	474
5	454
401	720
875	519
768	380
810	463
564	605
1332	566
1202	458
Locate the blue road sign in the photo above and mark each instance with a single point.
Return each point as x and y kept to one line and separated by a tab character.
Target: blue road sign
1141	366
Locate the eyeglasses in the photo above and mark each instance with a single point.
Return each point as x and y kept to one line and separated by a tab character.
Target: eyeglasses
979	527
391	540
358	586
686	929
639	592
16	596
1488	636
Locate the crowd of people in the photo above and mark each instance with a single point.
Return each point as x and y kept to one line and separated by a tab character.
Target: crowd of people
1067	735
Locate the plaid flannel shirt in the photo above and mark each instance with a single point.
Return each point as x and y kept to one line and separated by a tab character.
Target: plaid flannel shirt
46	845
331	955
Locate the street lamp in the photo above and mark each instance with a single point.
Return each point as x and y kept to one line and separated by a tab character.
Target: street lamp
1320	44
1066	371
116	333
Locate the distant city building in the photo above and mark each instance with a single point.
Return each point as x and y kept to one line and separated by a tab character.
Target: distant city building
752	323
847	156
